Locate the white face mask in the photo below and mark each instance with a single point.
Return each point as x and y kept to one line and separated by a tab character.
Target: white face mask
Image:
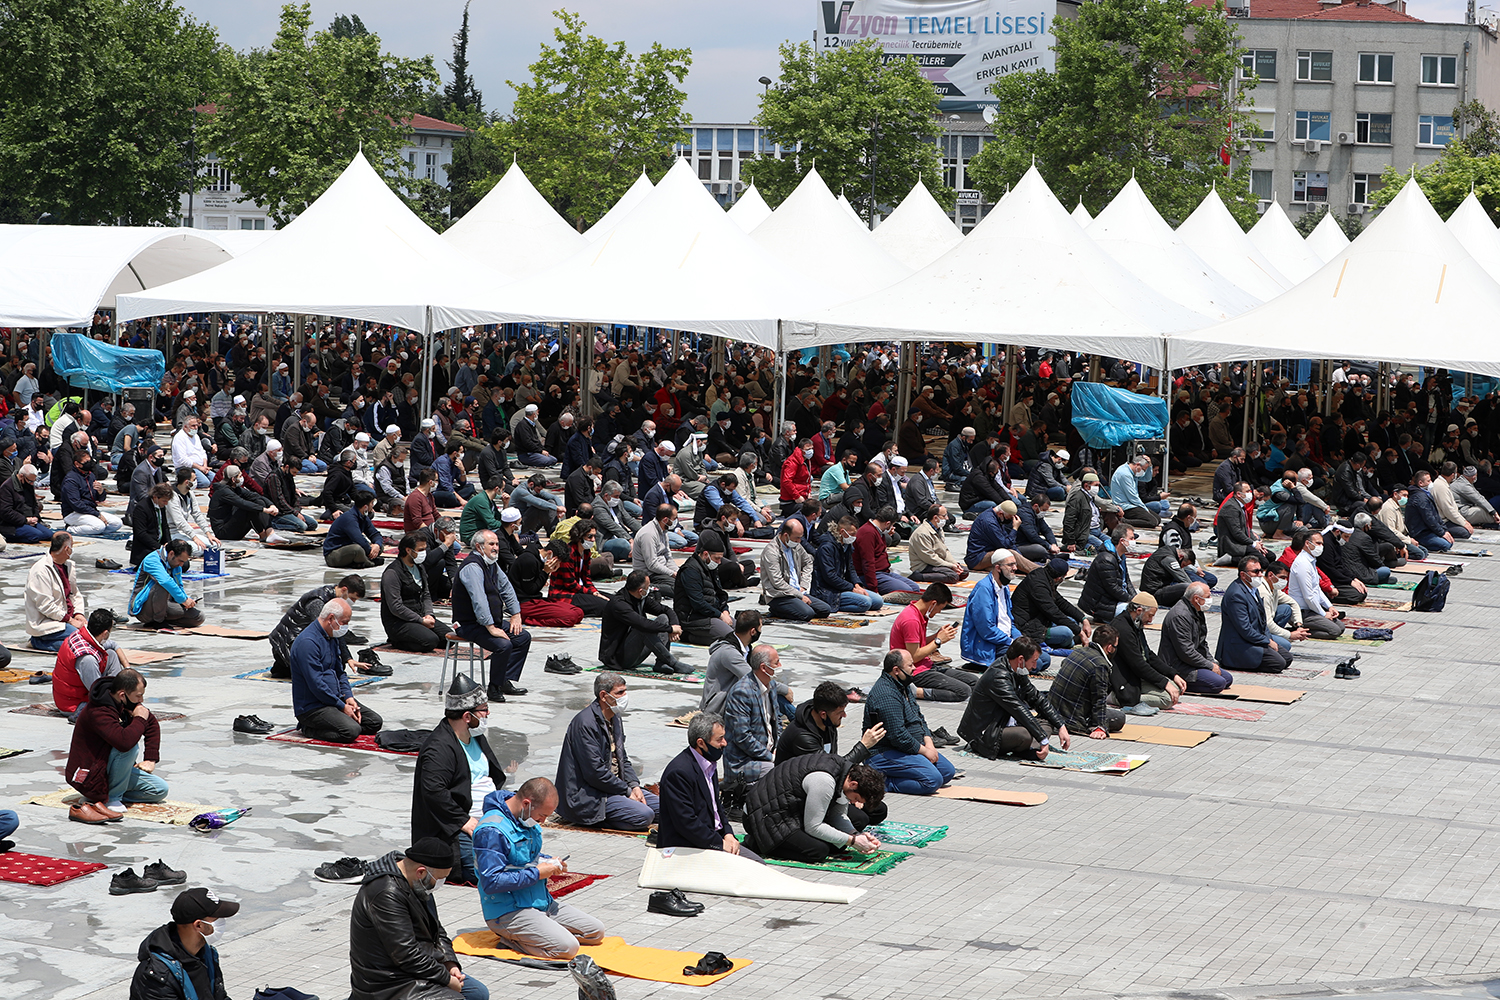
489	560
622	703
477	723
1208	603
339	631
807	452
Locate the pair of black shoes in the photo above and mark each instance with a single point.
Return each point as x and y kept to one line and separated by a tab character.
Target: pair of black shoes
1347	670
562	664
674	904
253	724
497	692
942	738
128	882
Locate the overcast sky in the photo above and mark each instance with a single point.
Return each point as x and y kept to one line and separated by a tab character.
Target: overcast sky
733	45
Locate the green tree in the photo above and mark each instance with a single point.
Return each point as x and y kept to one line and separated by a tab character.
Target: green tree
461	97
96	108
1470	162
290	118
1139	89
1308	221
347	26
592	117
847	110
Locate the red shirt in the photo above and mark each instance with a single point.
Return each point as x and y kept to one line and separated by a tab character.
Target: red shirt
870	555
910	627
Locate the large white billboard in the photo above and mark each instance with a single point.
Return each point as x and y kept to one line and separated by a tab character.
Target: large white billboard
963	45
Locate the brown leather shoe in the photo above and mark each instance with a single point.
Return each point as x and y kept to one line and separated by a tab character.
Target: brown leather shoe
87	812
107	812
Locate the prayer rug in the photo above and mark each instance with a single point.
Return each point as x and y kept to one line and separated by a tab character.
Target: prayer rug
1216	711
849	863
1421	568
1250	692
1165	736
1371	623
694	869
190	577
1396	585
12	676
906	834
994	795
962	585
561	885
265	675
167	811
49	711
1302	675
836	622
553	823
1089	761
655	965
696	677
38	869
1385	604
362	742
137	657
8	752
1349	640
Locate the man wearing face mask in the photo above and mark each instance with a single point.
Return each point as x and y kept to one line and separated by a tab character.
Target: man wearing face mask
235	510
635	625
928	558
487	612
596	783
1124	489
692	811
1245	641
397	944
177	959
322	699
456	769
1232	527
906	756
1002	716
698	596
406	599
796	476
1184	643
513	875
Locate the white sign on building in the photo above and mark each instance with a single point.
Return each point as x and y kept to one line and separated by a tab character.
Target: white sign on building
964	46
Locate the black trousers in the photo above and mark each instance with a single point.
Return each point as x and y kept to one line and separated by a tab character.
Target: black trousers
241	523
331	725
1170	594
640	645
592	605
414	636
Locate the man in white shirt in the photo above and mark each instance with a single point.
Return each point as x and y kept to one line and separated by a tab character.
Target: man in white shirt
188	452
1318	615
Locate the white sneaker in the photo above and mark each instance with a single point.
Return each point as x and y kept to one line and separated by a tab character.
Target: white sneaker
274	539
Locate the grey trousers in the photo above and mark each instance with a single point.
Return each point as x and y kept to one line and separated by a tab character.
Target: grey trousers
160	609
555	934
1321	627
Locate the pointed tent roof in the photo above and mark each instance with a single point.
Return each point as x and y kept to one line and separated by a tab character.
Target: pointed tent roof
750	210
918	232
849	207
1081	215
1027	274
1327	238
1139	239
1276	237
1212	234
1406	291
675	261
513	229
811	234
357	251
632	197
1471	225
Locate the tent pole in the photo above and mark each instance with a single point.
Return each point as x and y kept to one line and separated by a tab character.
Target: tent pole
781	358
425	403
1008	399
298	334
1166	442
904	394
1249	396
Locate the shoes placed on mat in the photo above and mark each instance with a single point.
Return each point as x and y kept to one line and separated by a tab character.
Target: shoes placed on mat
562	665
345	870
6	845
496	694
376	669
282	993
712	964
89	813
253	724
1140	708
159	873
942	738
591	980
1454	570
667	903
106	564
127	882
510	688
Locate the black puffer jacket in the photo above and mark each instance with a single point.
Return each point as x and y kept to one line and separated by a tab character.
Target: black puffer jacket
774	804
300	615
397	944
1036	606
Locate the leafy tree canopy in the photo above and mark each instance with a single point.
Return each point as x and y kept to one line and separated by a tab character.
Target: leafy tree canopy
1469	162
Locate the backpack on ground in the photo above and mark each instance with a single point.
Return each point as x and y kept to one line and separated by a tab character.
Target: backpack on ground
1431	593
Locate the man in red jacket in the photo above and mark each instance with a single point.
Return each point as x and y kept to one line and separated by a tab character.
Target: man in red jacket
105	761
796	477
872	558
85	656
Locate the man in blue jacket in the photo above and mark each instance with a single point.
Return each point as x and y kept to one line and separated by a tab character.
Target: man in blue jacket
1423	521
513	875
352	541
157	599
993	531
322	699
834	580
989	626
906	756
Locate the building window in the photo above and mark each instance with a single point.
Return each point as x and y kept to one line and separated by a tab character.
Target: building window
1310	186
1377	67
726	169
1262	184
705	170
1315	66
215	177
1266	119
726	140
253	224
746	141
1440	71
705	139
411	164
432	166
1365	186
950	173
1372	129
1313	125
1258	62
421	140
1434	130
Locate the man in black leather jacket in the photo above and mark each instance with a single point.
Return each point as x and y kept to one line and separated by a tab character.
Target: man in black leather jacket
1004	694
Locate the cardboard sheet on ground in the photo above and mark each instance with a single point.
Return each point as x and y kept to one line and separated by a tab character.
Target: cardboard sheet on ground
694	870
168	812
994	795
656	965
1162	736
1250	692
16	675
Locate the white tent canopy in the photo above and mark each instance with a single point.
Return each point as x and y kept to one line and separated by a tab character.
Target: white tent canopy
1081	216
1213	235
1406	291
59	275
357	251
632	197
1027	274
1471	225
750	210
1327	239
848	207
676	261
918	232
1132	232
812	235
513	230
1275	237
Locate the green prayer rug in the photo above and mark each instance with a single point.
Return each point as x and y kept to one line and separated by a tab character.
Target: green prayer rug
850	864
1398	585
906	834
696	677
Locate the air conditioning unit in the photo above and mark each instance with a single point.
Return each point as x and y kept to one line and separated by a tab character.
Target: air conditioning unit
720	187
1262	205
1346	138
1358	209
1312	145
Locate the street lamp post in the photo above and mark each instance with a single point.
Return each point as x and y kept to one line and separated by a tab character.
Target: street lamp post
874	158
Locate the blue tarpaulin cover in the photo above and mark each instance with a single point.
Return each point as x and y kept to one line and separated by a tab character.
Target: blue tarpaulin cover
94	365
1107	417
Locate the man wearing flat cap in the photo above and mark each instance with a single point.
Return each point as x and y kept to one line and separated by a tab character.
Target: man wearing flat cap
398	949
176	960
456	769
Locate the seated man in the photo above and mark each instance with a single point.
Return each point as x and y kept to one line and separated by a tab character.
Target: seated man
727	661
1081	692
906	756
235	510
303	613
652	550
752	717
406	601
927	552
1106	584
1283	617
149	530
53	603
636	624
1043	615
692	812
176	957
1165	575
1342	568
1475	508
81	495
20	510
1245	643
353	541
909	632
1002	718
86	655
800	811
786	576
872	557
1305	586
698	595
513	876
116	746
835	582
456	769
157	599
1142	685
321	697
397	944
596	783
815	729
487	612
1184	643
185	519
1124	490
